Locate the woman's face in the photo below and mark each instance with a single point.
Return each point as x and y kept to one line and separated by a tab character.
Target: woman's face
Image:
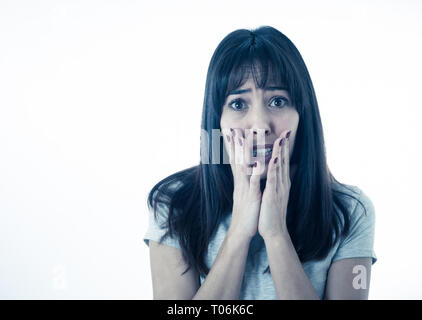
268	109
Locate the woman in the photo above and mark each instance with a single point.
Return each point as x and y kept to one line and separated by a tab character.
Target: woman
271	222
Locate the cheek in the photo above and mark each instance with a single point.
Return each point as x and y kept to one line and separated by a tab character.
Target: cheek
287	119
226	121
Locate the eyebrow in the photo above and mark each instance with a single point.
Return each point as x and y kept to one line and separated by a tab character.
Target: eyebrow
249	90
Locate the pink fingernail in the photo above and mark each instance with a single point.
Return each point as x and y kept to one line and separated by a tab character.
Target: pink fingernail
255	164
288	135
275	160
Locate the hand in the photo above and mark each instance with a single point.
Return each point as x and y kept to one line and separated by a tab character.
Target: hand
272	217
246	192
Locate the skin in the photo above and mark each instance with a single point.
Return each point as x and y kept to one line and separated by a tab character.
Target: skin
260	109
254	210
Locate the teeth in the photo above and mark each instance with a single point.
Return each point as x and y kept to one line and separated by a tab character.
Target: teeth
262	152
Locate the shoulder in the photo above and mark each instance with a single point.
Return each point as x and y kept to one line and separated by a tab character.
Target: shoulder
161	212
164	190
358	240
163	195
358	202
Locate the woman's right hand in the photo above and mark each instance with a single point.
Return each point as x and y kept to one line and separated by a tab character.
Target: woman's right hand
246	177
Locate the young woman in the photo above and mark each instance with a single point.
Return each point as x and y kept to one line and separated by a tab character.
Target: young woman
271	222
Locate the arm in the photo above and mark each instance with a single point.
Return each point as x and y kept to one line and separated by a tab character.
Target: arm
349	275
225	277
349	279
290	280
167	265
222	282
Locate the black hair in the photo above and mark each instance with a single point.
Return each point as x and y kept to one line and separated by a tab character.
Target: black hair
198	198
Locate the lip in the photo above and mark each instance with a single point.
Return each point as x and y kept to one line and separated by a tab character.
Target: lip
268	156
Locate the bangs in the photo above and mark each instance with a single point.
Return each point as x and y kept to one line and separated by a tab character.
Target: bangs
263	73
267	63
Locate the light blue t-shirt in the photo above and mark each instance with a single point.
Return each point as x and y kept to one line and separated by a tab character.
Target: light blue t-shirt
257	285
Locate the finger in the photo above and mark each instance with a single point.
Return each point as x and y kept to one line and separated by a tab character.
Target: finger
249	157
238	146
248	148
226	143
272	174
236	152
229	143
277	150
232	147
278	179
255	180
241	171
281	155
286	161
273	166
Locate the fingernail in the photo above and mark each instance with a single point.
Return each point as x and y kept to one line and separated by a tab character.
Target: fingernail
288	135
255	164
228	138
240	142
275	160
281	142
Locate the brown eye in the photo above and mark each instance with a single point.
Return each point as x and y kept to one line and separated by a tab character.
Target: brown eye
236	104
280	102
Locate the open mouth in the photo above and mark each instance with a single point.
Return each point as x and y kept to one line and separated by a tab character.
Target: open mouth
262	152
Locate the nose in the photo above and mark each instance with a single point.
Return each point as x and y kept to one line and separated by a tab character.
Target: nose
255	131
258	134
258	119
260	125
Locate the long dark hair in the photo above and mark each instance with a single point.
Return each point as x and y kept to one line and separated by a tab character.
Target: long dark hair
198	198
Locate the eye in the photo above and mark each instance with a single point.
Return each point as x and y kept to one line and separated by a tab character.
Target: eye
238	104
235	103
281	102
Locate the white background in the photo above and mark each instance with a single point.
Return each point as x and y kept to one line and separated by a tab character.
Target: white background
99	100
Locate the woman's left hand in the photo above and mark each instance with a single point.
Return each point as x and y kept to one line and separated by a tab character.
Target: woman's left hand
272	216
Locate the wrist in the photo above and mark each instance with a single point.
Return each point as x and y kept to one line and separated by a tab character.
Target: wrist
275	230
277	236
238	236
